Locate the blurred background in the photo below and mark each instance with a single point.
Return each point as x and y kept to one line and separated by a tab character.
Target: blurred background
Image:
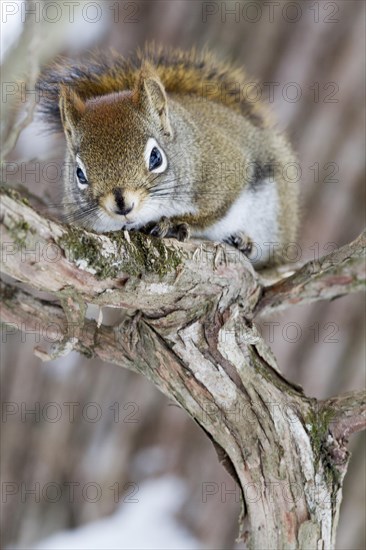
93	456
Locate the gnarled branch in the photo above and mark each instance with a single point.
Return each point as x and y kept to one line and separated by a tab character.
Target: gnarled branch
336	274
187	325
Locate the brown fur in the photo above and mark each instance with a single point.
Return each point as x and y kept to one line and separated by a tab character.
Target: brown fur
182	72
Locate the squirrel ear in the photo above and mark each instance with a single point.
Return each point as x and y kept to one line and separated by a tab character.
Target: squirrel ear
149	94
72	109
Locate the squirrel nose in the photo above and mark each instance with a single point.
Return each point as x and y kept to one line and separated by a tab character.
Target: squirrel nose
121	207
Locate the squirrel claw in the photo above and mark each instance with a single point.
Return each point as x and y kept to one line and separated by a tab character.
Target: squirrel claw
241	241
165	228
161	229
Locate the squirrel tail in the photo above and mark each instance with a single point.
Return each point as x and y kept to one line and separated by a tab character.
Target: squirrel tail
181	72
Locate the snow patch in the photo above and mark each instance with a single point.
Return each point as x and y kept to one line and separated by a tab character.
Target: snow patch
147	524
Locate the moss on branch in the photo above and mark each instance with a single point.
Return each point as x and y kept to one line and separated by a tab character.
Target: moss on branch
134	254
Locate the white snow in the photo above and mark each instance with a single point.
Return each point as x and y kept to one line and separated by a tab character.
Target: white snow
147	524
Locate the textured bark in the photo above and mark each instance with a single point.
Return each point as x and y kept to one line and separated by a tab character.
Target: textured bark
337	273
191	332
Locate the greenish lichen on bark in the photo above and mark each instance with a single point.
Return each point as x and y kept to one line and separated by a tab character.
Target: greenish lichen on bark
133	255
13	194
317	423
18	232
84	249
147	254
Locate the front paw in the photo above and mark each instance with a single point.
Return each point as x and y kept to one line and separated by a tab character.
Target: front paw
166	229
160	229
241	241
181	231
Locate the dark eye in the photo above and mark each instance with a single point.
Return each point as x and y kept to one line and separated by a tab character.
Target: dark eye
81	176
156	159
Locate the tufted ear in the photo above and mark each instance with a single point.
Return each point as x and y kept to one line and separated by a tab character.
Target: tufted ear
72	108
150	96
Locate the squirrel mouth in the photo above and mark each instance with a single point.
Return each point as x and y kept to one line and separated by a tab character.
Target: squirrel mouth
118	216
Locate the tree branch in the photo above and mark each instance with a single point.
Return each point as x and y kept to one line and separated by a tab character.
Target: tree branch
103	269
336	274
348	414
34	247
187	326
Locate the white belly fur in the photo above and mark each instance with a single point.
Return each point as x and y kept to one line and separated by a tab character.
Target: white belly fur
254	213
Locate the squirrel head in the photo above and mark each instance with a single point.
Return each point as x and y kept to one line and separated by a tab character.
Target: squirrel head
119	171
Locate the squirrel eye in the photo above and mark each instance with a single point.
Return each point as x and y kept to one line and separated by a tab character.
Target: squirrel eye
156	159
81	176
